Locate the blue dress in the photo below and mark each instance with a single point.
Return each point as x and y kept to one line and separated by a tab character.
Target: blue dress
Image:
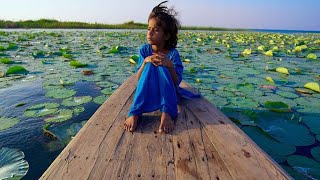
156	89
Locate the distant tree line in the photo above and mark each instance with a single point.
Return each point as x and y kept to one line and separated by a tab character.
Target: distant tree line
55	24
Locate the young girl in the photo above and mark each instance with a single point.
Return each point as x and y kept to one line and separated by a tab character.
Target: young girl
159	71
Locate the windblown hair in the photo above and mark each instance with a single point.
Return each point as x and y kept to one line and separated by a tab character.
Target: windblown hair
166	19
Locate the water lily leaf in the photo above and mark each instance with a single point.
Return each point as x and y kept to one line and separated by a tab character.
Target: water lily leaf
311	56
132	61
246	52
12	164
282	70
78	110
39	54
7	122
76	101
306	166
287	94
269	79
261	48
313	123
68	56
64	133
316	153
186	60
42	109
285	130
100	99
60	93
64	115
304	91
269	53
114	49
6	61
135	57
313	86
277	106
77	64
17	70
269	145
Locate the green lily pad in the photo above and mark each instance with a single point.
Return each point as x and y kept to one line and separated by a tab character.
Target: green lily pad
313	122
6	61
243	102
100	99
78	110
306	166
285	131
268	144
64	134
107	91
76	101
277	106
77	64
63	115
7	122
287	94
42	109
60	93
294	174
316	153
12	164
17	70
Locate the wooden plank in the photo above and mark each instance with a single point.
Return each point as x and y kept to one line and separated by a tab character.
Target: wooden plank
208	162
81	153
239	153
185	165
150	153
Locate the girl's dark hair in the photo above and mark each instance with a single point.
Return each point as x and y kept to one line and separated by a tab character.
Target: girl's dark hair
167	21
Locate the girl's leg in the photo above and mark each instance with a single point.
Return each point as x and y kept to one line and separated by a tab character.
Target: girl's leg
169	100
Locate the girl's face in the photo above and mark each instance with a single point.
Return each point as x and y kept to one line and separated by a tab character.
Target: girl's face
155	35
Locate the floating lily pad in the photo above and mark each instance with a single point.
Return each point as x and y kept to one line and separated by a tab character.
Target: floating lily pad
100	99
6	60
306	166
277	106
63	115
243	102
287	94
78	110
76	101
269	145
77	64
64	133
7	122
42	109
313	122
12	164
17	70
285	131
60	93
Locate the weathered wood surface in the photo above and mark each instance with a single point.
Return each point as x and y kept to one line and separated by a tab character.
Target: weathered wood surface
204	145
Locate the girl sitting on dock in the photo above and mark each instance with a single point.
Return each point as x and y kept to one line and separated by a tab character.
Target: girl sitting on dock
159	71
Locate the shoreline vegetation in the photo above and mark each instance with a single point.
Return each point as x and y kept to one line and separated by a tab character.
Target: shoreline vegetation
55	24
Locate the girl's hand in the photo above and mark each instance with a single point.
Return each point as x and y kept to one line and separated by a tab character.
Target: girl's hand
159	59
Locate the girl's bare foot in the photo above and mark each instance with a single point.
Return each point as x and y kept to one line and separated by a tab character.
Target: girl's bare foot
131	123
166	123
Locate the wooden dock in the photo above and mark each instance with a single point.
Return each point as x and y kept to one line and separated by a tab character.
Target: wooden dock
204	145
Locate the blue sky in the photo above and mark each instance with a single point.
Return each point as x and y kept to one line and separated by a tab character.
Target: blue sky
254	14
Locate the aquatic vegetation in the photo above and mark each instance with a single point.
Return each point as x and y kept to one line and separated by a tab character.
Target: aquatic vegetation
6	61
313	86
306	166
12	164
7	122
17	70
258	79
42	109
77	64
76	101
60	93
63	115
